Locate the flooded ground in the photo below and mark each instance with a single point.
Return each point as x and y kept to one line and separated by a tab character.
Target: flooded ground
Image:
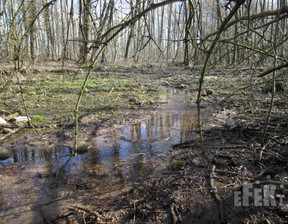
118	156
174	122
145	164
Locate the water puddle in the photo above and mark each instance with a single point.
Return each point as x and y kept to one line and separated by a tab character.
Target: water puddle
118	155
174	122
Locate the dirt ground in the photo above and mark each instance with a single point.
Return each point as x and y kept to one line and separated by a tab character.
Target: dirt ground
243	181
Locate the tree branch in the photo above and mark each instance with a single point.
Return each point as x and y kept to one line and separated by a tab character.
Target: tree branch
251	18
273	70
129	22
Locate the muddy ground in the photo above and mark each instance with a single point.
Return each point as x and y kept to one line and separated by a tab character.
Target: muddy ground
179	186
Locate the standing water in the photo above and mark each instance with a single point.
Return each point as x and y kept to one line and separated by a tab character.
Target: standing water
117	156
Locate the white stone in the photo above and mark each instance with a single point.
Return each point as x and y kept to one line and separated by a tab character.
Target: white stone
20	119
2	121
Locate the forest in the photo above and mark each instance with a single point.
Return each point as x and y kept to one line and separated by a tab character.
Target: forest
145	111
142	31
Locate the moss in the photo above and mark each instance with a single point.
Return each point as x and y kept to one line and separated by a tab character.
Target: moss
202	98
5	153
83	147
209	92
176	164
37	119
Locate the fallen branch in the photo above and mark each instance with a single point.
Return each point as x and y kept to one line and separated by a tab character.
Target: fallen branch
229	147
216	196
135	202
226	172
273	70
96	214
11	133
175	214
268	182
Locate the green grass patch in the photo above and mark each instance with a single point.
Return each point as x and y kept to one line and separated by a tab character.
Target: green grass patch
53	95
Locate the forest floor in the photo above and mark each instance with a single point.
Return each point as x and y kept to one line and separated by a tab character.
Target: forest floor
177	186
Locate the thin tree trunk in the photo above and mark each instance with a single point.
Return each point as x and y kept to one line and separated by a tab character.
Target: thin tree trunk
189	17
32	36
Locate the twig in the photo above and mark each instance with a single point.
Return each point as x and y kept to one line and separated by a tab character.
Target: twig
201	80
63	166
227	172
175	215
274	85
83	217
76	110
135	202
96	214
11	133
27	31
63	216
216	196
25	108
230	147
7	83
266	182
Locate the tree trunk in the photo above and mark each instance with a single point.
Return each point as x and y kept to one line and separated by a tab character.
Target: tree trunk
188	22
84	24
32	33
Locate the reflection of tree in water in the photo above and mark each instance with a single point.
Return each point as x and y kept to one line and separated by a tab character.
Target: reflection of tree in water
141	167
135	130
22	154
47	154
116	158
149	127
15	157
186	127
93	157
169	125
57	160
92	163
161	126
132	132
